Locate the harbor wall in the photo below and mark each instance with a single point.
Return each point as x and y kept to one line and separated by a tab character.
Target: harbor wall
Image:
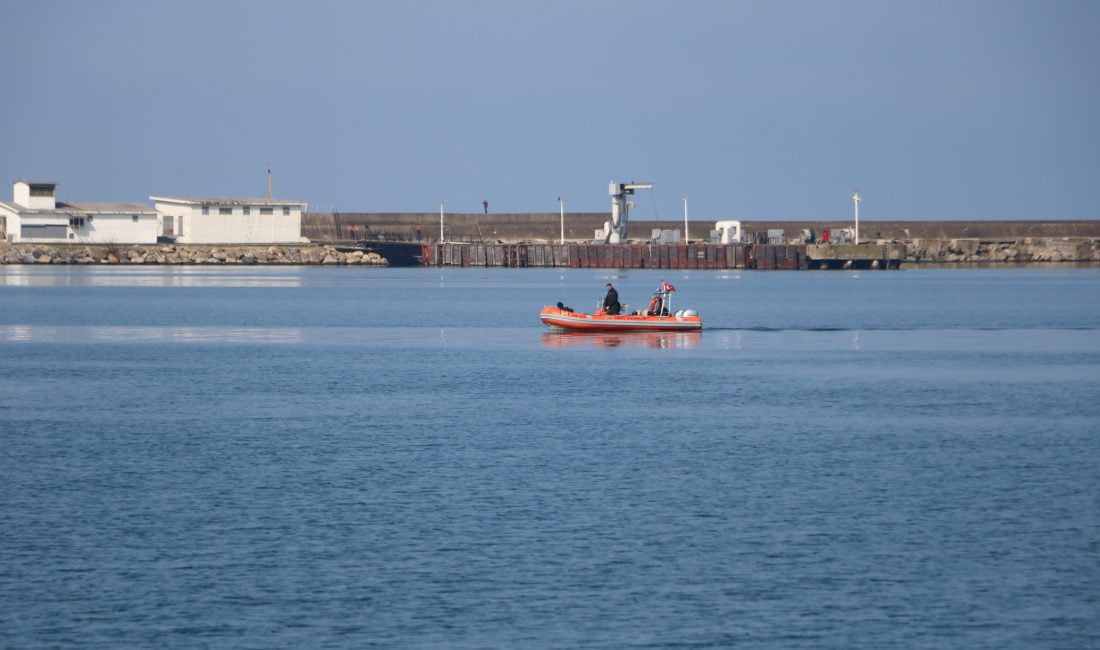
658	256
871	255
544	227
748	256
185	255
1025	250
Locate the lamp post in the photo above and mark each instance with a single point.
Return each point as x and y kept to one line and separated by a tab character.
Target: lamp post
686	238
441	221
855	204
561	209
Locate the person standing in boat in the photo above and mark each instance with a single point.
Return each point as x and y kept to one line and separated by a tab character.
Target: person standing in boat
611	301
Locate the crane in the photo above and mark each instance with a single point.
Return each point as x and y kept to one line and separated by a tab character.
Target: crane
614	231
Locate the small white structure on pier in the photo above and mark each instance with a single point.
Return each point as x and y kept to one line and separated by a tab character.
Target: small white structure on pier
35	215
227	220
727	232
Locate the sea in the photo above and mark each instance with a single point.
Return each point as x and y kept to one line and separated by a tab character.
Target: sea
287	457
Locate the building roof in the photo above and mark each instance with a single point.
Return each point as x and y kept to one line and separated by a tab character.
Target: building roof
225	200
104	207
34	181
84	208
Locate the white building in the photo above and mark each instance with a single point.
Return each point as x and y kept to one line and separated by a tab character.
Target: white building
222	220
35	215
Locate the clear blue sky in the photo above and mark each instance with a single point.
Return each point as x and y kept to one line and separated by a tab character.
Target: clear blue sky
753	110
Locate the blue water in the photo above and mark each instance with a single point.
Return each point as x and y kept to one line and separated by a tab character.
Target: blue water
287	457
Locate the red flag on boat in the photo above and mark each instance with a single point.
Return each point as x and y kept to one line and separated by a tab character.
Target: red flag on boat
667	287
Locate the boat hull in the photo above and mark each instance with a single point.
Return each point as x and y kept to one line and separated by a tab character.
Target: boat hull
599	322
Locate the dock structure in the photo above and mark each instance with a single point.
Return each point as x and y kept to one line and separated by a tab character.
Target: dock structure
655	256
859	256
603	256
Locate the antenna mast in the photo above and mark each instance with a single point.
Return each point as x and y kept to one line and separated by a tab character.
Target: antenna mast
269	181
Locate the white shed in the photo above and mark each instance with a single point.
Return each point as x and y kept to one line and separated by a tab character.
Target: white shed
226	220
35	215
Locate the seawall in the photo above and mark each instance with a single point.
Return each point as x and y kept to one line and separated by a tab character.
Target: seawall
661	256
181	254
544	227
871	255
1058	242
1025	250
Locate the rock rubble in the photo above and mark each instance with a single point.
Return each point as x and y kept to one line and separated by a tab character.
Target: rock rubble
1013	251
183	254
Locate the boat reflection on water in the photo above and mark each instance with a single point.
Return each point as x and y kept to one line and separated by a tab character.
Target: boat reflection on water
654	340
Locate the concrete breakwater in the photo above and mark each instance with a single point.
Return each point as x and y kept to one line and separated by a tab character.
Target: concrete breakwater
924	242
184	255
545	227
1004	251
624	256
1026	250
870	255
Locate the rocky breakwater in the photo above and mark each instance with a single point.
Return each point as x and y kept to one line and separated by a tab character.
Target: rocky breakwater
1012	251
178	254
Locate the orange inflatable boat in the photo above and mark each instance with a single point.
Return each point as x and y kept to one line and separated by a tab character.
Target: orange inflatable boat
603	322
657	317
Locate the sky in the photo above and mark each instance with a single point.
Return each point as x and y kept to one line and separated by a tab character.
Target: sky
954	109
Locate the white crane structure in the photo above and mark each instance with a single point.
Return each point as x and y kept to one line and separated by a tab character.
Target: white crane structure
614	231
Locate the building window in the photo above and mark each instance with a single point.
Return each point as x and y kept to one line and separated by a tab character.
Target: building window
206	209
246	210
134	218
286	210
41	190
266	211
45	231
225	210
76	222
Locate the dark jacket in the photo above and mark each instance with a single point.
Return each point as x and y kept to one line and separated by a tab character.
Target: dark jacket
611	301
